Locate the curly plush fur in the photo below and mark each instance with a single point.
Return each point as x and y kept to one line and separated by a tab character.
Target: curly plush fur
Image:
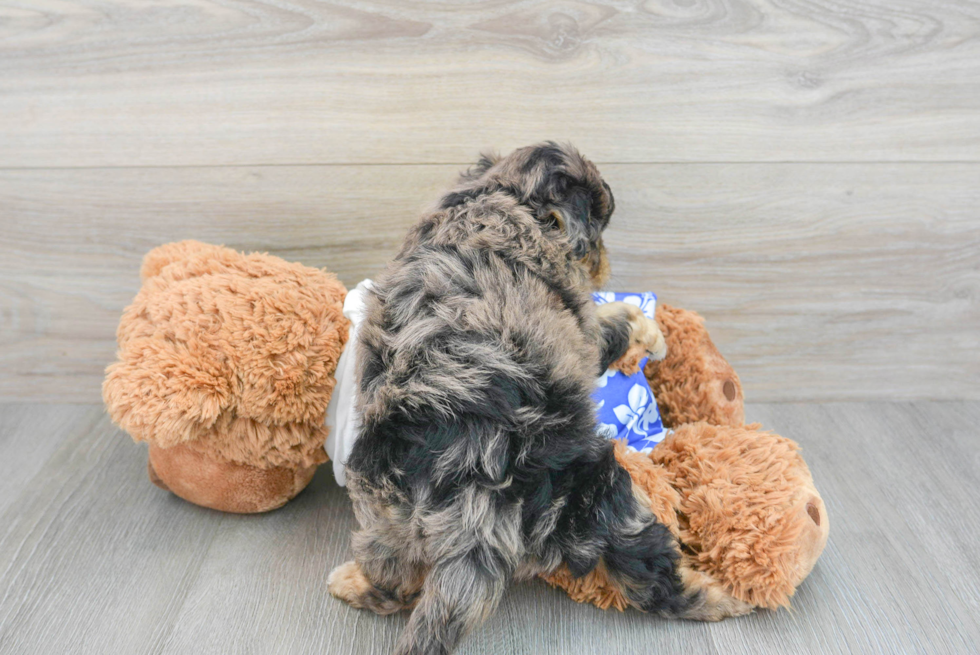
226	365
694	382
478	459
749	514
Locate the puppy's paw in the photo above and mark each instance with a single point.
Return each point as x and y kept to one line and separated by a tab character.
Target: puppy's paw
348	583
713	602
646	339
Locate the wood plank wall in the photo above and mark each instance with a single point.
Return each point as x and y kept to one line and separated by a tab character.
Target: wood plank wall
804	174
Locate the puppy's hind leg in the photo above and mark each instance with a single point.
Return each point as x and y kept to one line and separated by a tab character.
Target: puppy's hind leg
655	581
710	600
457	595
642	556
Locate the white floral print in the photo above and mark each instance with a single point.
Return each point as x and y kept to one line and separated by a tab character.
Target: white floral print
647	302
604	378
637	415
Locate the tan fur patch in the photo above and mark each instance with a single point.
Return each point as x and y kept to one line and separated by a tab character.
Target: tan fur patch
595	587
718	603
348	583
646	339
597	263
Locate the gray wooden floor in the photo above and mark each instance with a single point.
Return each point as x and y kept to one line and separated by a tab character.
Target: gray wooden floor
94	559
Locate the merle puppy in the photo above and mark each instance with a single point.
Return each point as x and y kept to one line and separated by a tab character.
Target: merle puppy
478	459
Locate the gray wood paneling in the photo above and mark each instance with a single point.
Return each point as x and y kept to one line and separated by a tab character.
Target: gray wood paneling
94	559
205	82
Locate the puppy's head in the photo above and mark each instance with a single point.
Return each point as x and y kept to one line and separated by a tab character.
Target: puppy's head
562	189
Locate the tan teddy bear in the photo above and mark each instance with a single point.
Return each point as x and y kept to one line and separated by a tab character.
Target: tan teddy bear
226	365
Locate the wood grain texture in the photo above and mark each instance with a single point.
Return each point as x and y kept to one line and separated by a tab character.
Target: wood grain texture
83	558
121	82
29	435
94	559
818	281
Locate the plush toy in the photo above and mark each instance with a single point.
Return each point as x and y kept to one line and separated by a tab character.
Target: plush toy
226	365
741	501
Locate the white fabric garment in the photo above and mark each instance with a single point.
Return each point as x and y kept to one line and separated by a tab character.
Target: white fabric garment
342	419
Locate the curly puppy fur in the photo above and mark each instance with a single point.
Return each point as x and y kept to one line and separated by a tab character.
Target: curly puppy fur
478	459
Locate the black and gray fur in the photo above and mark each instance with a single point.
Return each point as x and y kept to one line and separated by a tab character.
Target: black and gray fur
478	459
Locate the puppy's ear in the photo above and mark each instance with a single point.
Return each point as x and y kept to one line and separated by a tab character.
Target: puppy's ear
573	216
485	163
468	186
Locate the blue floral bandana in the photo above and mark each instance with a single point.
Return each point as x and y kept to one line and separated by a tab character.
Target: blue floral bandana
625	404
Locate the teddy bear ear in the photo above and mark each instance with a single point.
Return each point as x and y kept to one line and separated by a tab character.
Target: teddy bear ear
694	382
159	258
